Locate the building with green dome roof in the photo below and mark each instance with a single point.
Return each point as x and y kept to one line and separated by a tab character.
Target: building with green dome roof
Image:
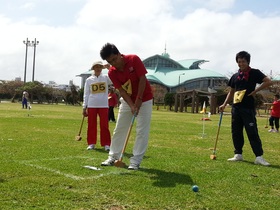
185	73
167	75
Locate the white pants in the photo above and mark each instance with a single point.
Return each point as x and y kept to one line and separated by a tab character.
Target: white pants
143	120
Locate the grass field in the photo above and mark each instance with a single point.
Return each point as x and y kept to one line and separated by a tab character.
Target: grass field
42	165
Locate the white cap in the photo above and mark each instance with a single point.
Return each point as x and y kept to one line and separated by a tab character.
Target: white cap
97	63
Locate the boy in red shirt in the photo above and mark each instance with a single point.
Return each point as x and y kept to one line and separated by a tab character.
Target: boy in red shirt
275	115
128	75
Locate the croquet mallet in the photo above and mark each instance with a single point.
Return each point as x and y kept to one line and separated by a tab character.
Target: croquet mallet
213	156
78	137
267	114
119	163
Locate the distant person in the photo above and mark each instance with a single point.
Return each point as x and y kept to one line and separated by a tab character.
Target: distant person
95	102
113	102
242	90
275	115
24	100
128	75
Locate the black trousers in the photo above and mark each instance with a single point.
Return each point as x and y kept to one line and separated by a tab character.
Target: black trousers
242	117
272	120
111	114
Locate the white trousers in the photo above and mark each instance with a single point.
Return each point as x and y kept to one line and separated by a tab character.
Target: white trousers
142	122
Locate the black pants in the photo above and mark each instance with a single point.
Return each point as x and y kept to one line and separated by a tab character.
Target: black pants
242	117
111	114
272	120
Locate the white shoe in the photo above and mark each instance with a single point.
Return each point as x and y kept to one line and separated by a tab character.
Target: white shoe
109	162
236	157
90	147
107	148
133	167
260	161
271	130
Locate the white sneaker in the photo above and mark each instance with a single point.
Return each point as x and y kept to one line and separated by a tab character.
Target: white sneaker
271	130
107	148
260	161
90	147
109	162
236	157
133	167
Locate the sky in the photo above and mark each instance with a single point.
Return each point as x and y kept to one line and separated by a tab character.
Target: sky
72	32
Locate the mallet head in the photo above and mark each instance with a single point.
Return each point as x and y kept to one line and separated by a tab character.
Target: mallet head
119	164
213	157
78	138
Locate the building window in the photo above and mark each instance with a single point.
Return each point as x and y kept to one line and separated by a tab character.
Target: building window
152	63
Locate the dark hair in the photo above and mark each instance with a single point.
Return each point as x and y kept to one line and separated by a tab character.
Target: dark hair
277	95
243	54
107	50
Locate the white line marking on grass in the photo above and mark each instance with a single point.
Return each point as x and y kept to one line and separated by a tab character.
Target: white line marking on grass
71	176
56	171
60	158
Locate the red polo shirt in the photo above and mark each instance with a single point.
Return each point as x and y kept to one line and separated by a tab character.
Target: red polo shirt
133	70
275	112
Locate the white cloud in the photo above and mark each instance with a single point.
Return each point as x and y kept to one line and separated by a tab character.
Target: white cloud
140	28
217	5
30	5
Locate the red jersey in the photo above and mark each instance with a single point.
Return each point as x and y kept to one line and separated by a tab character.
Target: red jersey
113	99
132	71
275	111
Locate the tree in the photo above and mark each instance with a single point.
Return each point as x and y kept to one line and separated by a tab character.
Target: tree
39	92
275	87
8	89
72	97
169	99
35	90
159	92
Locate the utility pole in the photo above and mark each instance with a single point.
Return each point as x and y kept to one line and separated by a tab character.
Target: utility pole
34	43
30	44
27	42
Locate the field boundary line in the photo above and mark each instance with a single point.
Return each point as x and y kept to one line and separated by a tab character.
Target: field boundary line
71	176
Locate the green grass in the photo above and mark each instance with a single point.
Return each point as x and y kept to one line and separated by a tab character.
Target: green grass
42	165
